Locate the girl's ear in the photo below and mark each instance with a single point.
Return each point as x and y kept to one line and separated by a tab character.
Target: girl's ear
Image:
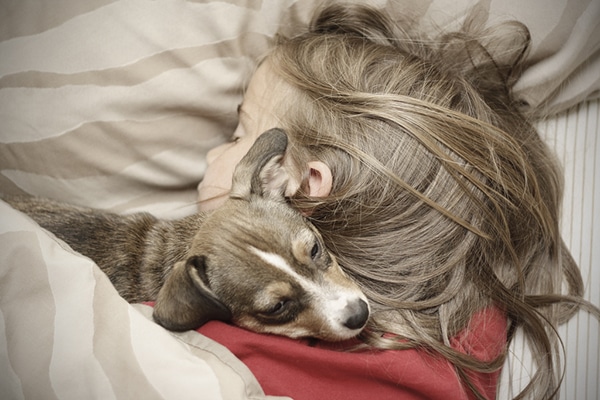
320	180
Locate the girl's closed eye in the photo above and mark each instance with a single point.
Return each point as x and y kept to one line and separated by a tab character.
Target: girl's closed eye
222	160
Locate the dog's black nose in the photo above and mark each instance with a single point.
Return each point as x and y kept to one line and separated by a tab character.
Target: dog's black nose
359	314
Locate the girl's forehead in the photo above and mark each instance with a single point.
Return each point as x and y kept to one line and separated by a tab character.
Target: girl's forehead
261	78
267	96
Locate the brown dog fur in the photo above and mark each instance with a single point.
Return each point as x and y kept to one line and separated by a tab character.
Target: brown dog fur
254	261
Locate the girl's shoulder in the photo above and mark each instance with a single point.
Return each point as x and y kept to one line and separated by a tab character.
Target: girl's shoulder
303	369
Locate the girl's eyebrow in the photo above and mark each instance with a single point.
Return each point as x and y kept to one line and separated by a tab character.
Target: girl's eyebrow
242	113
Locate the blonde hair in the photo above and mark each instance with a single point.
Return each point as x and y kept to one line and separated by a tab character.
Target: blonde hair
445	200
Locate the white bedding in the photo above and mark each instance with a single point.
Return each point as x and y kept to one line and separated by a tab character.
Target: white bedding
114	104
66	334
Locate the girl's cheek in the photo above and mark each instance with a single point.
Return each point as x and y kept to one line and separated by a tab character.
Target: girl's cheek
215	187
210	203
216	152
221	163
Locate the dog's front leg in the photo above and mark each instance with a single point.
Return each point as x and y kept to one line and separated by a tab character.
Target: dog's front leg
136	251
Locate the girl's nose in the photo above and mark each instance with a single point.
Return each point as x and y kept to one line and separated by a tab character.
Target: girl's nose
215	152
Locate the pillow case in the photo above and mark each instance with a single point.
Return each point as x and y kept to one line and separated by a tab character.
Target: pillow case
114	104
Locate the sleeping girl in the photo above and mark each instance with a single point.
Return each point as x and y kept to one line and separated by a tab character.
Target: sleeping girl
432	189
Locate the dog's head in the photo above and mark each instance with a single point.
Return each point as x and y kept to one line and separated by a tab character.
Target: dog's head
262	265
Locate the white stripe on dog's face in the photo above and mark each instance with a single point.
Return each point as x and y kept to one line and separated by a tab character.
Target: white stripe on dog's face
280	263
331	300
276	261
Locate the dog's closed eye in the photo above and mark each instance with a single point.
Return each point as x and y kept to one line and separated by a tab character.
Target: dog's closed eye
278	308
279	302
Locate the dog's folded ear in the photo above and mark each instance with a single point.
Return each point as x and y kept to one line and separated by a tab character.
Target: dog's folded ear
185	301
261	170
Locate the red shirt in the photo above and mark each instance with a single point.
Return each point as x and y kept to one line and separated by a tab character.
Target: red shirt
295	368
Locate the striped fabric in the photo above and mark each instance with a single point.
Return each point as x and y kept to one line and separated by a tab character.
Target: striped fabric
575	136
66	334
114	104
